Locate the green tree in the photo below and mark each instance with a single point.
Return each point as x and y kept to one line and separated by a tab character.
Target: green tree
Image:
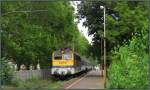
127	46
31	31
130	13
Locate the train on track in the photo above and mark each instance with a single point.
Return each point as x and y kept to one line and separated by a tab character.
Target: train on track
67	62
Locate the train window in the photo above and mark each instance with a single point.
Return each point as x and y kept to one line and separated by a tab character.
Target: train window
67	56
58	57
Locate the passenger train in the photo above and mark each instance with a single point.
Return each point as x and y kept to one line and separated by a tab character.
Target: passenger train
67	62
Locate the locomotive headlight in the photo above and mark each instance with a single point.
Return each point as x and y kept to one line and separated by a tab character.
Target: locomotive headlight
69	68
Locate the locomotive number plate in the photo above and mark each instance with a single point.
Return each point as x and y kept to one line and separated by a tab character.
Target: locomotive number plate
62	62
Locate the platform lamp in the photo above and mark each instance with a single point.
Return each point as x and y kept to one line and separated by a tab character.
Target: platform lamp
104	9
116	18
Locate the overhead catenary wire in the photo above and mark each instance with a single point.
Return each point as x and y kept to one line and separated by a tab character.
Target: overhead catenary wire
24	11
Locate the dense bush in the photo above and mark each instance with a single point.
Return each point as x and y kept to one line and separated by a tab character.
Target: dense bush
6	72
129	68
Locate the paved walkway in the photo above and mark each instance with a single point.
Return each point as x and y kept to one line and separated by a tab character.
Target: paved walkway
92	80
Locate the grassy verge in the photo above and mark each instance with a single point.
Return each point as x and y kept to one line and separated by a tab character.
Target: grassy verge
35	83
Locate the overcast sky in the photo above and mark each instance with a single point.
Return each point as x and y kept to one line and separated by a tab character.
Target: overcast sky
81	28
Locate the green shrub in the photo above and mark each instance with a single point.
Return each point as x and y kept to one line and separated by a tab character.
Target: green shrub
17	82
129	67
6	72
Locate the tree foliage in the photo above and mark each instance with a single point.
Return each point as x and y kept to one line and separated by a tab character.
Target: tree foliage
127	39
31	31
130	15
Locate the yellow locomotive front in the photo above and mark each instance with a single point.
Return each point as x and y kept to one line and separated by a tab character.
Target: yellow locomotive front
62	62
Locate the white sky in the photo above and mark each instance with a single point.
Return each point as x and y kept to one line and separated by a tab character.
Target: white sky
82	29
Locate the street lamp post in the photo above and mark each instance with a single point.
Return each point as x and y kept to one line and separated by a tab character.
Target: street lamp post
104	9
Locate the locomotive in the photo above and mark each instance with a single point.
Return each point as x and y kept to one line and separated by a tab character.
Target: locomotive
67	62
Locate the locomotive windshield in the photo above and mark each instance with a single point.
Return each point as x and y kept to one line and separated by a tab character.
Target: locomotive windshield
63	55
67	56
57	56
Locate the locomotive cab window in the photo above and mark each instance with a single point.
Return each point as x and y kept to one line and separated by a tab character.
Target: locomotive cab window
67	56
58	57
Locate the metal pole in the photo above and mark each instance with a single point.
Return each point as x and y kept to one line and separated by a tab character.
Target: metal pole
104	49
101	57
0	47
25	11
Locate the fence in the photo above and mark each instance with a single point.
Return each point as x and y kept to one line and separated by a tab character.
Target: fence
26	74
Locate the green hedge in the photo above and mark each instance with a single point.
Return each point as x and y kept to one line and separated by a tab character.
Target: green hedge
129	67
